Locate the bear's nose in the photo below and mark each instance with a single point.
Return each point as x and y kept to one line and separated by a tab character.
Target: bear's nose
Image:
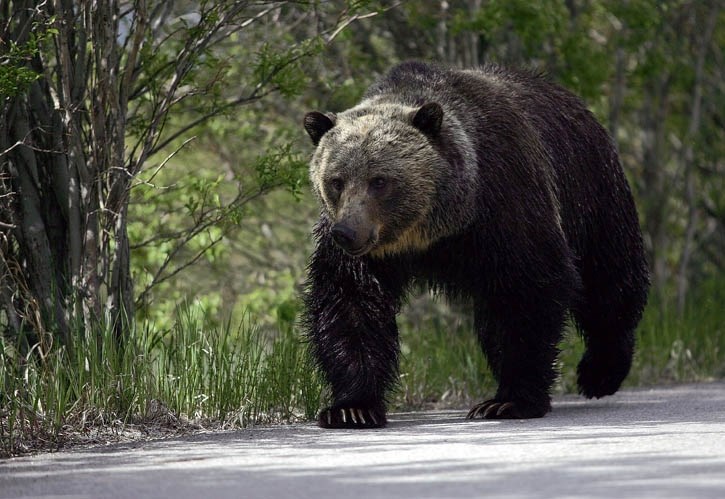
343	235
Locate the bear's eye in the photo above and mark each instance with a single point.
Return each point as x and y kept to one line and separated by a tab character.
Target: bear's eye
337	184
378	183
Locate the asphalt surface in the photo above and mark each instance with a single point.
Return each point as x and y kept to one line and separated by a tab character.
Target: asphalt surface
666	442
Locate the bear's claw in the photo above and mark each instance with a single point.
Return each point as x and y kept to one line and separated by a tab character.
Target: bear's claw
498	409
351	417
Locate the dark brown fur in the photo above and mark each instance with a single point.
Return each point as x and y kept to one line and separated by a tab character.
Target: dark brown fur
516	201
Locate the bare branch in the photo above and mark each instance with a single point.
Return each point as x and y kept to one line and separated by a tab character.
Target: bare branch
356	17
159	277
243	100
164	162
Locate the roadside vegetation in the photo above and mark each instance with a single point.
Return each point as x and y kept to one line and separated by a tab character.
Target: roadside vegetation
189	377
155	218
199	375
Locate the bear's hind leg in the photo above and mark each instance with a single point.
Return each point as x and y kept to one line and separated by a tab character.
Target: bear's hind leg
615	281
604	366
607	322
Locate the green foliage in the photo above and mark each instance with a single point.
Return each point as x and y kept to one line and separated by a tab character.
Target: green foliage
283	67
15	77
533	22
282	167
16	72
227	207
274	300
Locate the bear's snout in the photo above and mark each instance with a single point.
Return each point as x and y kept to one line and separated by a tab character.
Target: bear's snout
344	236
354	240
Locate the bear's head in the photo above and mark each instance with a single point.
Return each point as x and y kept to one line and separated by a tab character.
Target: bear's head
375	172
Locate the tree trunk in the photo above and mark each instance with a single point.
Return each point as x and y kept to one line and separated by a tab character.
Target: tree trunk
656	190
687	157
61	180
616	98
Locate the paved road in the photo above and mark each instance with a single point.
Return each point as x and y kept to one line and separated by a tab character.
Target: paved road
666	442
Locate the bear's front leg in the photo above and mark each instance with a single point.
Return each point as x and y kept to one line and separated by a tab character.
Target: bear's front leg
351	304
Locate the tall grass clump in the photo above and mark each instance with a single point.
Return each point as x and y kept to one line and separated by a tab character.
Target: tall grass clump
233	375
686	346
441	361
190	374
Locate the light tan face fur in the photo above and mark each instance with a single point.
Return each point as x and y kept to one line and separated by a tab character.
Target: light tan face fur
375	174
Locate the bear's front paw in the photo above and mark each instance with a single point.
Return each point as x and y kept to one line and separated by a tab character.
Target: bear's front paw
351	417
500	409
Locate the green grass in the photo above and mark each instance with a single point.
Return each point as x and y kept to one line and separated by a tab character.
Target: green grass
441	366
221	377
687	347
236	375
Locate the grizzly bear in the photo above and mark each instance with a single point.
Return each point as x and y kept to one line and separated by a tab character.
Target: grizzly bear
492	186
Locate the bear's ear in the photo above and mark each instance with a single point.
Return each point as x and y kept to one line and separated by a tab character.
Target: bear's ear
428	119
318	124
